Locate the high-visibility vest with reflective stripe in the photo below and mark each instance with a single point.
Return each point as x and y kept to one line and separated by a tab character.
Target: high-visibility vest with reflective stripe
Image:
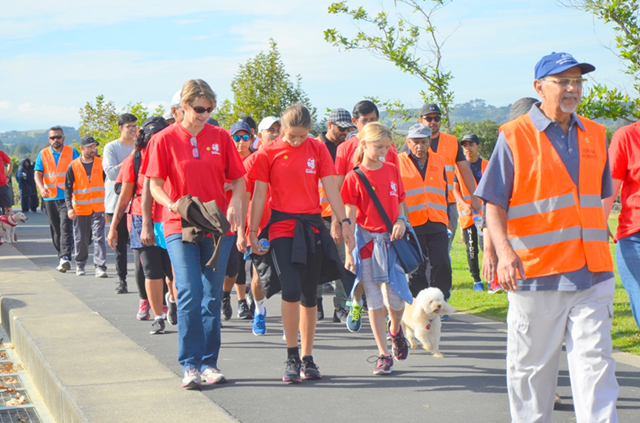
448	149
467	220
54	175
88	196
324	203
551	227
426	198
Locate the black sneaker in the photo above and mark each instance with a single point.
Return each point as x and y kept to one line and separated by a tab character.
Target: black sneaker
292	370
172	310
157	327
308	369
244	312
226	308
320	309
340	315
122	287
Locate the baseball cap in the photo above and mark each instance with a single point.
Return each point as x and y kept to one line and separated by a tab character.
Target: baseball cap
177	97
249	121
212	121
521	106
554	63
87	140
267	122
240	126
168	115
470	138
341	117
430	108
419	131
154	124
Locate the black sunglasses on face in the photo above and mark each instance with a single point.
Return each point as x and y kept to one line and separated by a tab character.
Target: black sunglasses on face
432	118
200	109
342	129
56	137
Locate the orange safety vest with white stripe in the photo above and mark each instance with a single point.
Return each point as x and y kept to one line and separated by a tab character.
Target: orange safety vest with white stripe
54	175
466	221
448	149
553	226
324	203
426	198
88	196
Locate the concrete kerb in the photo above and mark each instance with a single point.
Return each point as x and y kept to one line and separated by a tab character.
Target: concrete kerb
86	369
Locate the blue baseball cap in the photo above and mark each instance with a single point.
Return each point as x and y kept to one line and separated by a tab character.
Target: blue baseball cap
559	62
240	126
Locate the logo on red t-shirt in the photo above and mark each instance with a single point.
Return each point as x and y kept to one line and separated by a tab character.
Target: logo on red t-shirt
311	164
215	149
394	189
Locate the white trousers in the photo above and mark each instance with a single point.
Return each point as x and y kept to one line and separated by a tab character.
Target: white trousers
538	323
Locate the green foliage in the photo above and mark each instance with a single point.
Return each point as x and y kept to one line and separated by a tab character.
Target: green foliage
100	119
411	44
486	130
262	88
602	101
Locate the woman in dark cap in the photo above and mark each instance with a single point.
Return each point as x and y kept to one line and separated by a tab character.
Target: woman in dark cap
27	184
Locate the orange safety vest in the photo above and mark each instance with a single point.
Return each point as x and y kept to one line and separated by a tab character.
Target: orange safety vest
551	227
466	220
324	203
55	175
448	149
88	196
426	198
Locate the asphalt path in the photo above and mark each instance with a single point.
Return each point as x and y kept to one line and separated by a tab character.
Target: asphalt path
467	385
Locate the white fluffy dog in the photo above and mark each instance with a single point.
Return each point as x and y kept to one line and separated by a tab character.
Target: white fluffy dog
422	319
8	225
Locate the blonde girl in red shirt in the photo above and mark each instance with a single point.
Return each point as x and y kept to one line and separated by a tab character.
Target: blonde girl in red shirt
301	247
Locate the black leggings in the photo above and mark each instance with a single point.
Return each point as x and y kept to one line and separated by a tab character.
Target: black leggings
299	283
435	247
470	236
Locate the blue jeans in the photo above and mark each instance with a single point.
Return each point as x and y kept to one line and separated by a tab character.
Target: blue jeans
199	299
628	257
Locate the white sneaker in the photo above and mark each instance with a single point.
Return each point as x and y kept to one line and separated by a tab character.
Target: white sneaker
101	273
212	375
64	265
192	379
80	271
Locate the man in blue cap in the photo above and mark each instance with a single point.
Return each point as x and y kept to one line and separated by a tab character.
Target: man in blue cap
543	188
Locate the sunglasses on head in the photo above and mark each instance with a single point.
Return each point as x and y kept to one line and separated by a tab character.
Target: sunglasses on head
432	118
238	138
56	137
200	109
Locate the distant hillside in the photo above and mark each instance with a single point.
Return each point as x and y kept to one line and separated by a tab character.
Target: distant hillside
21	143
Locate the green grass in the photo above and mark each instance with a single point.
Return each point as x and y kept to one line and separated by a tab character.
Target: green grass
625	333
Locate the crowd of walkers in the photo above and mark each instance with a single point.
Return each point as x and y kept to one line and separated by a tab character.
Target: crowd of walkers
268	209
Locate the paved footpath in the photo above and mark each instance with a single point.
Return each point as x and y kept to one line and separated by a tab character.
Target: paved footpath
93	361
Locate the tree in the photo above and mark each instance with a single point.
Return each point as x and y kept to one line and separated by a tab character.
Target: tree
600	100
100	120
486	130
262	88
409	40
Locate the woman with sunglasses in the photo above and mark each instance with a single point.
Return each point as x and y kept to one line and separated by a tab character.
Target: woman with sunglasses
301	247
195	158
236	269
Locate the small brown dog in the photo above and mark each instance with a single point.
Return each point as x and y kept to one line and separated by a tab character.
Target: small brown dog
422	319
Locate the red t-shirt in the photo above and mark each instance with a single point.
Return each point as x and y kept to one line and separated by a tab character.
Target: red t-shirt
251	183
292	174
387	184
346	151
4	158
171	158
127	174
624	157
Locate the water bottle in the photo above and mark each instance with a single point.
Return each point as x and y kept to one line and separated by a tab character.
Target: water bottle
247	255
449	232
477	219
263	245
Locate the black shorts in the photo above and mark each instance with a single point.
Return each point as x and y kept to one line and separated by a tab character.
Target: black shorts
5	196
156	263
234	260
299	283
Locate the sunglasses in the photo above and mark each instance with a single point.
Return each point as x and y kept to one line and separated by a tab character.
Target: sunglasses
194	143
238	138
200	109
56	137
343	129
432	118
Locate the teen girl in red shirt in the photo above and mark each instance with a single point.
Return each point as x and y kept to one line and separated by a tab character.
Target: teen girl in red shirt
370	261
301	247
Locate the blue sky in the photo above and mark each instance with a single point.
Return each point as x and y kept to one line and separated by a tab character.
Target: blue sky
58	55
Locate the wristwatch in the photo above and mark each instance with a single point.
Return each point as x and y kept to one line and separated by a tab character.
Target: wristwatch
402	218
346	219
171	203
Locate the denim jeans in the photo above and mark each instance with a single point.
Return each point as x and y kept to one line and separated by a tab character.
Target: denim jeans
199	299
628	257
